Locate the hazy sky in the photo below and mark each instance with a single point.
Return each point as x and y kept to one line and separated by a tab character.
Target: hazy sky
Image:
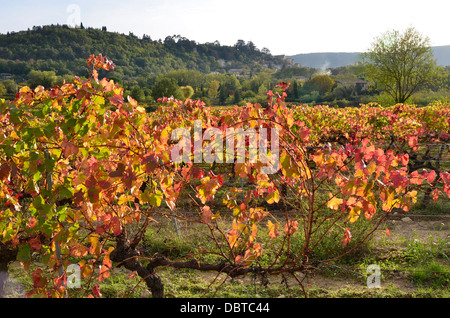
285	27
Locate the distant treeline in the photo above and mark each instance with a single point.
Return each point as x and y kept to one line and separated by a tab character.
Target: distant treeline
179	67
61	49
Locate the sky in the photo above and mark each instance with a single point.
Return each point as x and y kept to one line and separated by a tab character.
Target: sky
284	27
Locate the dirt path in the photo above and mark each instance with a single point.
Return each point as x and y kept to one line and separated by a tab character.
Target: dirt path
410	227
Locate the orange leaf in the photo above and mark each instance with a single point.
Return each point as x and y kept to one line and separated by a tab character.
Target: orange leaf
95	75
404	159
31	223
435	195
69	149
243	169
104	273
334	203
431	176
318	157
78	250
233	234
347	237
108	86
95	244
413	141
291	227
273	229
132	101
206	214
415	178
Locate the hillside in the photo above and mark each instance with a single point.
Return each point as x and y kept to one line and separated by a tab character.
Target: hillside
64	50
337	59
442	54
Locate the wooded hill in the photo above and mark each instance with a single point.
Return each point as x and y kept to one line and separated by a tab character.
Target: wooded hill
64	50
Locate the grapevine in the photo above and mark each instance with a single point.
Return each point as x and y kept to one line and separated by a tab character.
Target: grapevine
84	171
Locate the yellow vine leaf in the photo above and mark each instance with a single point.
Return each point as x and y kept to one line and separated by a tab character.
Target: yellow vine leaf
334	202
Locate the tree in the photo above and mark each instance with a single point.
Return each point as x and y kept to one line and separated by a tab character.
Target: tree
322	83
213	91
44	78
138	94
222	95
262	90
400	64
3	90
295	90
240	44
166	87
265	50
237	97
251	46
11	86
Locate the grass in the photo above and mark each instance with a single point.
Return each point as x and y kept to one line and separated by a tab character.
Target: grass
337	281
419	252
412	266
432	274
440	207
